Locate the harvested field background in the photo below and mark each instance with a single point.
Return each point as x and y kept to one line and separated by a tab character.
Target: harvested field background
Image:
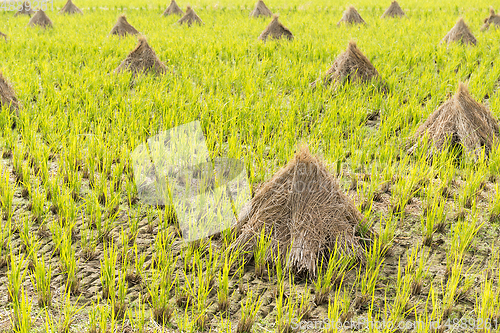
70	150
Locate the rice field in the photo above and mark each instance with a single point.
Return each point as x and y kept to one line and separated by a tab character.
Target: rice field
81	252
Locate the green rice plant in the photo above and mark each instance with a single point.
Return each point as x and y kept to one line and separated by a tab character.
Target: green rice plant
485	304
223	297
150	216
159	294
136	275
212	264
185	324
475	179
334	313
15	277
137	317
452	291
37	204
415	267
369	278
125	247
407	187
304	307
286	309
95	320
345	306
120	303
5	236
224	325
17	162
185	291
260	253
25	233
387	232
57	232
326	279
133	230
6	196
68	313
494	206
202	292
41	281
68	263
164	255
463	233
249	310
131	192
21	313
108	271
88	244
400	305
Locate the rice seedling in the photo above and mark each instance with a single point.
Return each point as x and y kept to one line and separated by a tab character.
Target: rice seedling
6	196
108	271
68	311
249	310
304	307
37	203
331	275
452	292
334	313
137	317
41	281
15	277
494	207
88	244
415	267
223	296
260	253
159	294
21	313
68	262
67	168
368	278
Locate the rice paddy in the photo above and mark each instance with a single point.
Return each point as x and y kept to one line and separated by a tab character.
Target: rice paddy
81	252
